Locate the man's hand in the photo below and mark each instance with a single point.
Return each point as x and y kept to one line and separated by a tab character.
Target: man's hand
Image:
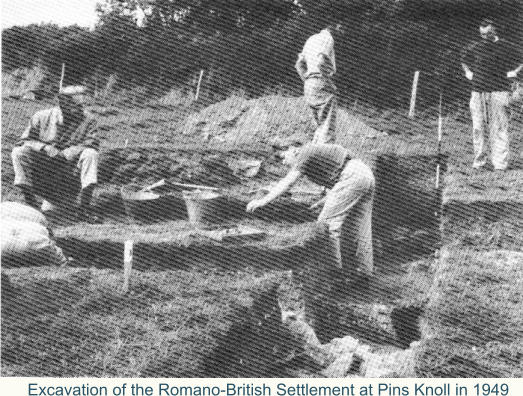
512	74
51	151
469	75
317	204
255	204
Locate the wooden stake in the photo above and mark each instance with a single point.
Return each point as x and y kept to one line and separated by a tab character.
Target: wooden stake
198	86
413	94
440	120
440	136
127	265
62	77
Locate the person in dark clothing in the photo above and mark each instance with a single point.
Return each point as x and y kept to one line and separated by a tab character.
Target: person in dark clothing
490	64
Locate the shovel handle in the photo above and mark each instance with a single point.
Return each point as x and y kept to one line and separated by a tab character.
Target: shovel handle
163	182
196	186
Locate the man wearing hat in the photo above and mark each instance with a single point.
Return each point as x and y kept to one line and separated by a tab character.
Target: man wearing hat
63	133
316	66
490	64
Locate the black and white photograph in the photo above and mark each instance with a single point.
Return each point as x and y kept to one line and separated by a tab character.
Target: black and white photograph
262	189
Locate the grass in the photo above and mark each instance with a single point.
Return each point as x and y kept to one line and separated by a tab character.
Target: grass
165	326
473	325
182	233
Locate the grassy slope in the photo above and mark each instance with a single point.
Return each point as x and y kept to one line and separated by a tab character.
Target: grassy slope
406	136
163	327
473	325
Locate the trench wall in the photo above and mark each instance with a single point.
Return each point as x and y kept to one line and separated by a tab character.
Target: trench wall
472	323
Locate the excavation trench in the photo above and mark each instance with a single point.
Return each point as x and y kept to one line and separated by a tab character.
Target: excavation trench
383	314
405	226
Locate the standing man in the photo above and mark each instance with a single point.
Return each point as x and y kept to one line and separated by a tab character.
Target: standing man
62	133
490	64
316	66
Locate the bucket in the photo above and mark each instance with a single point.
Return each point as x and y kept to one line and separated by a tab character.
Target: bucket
204	207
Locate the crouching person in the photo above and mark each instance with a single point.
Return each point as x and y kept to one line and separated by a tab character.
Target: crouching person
347	211
58	138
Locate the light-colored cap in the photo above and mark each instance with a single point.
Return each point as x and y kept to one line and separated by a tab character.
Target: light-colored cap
72	90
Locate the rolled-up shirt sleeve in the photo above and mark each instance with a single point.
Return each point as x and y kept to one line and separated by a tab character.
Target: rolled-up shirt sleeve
514	56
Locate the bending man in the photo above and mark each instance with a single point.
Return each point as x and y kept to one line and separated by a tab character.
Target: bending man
347	211
347	206
65	132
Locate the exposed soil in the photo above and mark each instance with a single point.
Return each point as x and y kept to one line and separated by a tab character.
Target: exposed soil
170	323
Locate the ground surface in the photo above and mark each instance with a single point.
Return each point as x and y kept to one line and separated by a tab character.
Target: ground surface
168	320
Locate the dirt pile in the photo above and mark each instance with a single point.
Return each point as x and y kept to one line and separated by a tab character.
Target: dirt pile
205	166
268	120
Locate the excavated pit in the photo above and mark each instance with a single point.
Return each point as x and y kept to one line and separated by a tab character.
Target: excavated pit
405	225
384	315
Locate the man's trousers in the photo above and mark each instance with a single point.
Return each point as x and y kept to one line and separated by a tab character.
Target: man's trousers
320	95
348	214
347	252
490	113
27	163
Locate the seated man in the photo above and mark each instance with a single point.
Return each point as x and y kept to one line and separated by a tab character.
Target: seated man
65	134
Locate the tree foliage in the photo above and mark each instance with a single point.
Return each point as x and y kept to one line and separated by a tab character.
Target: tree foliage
252	44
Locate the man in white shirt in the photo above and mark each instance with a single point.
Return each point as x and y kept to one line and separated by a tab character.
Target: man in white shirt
316	66
62	135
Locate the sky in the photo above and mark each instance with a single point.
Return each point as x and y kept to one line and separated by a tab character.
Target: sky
60	12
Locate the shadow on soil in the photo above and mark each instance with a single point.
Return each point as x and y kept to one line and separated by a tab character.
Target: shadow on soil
405	227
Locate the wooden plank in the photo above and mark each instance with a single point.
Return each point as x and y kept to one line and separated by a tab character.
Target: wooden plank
234	234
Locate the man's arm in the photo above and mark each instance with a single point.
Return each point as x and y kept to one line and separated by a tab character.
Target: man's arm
85	135
515	56
514	73
301	66
327	68
466	55
318	203
31	135
468	72
279	189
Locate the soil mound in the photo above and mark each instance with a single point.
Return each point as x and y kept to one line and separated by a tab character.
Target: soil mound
268	120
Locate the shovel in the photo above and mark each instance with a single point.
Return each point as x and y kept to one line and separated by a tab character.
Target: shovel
183	186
